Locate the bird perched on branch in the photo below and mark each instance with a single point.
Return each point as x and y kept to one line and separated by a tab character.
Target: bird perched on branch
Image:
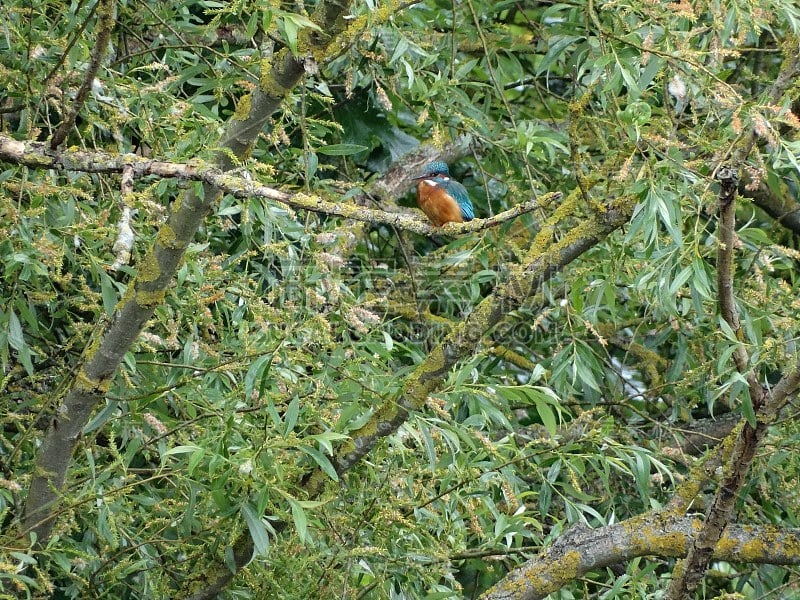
442	199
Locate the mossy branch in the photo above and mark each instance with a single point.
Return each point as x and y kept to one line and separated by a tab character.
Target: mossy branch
583	549
666	533
739	448
36	155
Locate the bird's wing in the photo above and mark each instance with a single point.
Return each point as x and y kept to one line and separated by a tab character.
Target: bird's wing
460	194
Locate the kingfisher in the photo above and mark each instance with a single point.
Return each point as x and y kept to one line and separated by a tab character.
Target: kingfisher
442	199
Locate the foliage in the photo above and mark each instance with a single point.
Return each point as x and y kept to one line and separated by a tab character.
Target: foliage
283	335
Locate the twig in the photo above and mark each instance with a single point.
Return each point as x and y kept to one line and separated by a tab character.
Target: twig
105	11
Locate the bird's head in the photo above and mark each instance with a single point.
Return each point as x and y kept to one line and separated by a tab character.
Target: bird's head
435	169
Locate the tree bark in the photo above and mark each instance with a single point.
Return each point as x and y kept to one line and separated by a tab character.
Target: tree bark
582	549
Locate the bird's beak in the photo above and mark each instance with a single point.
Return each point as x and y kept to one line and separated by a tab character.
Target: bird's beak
418	178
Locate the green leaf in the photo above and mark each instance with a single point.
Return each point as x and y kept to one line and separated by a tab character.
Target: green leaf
194	461
109	293
230	560
101	417
545	497
311	503
341	149
290	417
650	71
327	437
724	357
544	400
430	447
252	25
679	281
289	24
182	450
300	520
266	19
547	416
322	461
24	356
727	330
26	558
388	341
312	162
747	409
257	371
466	68
399	50
556	51
641	473
288	27
630	81
258	532
15	336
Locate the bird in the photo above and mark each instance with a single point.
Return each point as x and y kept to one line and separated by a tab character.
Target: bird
441	198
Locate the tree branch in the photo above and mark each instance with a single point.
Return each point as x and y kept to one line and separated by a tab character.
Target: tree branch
740	446
582	549
729	179
783	208
742	443
105	16
697	437
38	156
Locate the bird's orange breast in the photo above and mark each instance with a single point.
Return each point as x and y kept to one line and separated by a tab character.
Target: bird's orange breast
437	204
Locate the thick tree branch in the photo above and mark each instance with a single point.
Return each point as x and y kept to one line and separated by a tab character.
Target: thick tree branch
666	534
153	277
582	549
38	156
782	207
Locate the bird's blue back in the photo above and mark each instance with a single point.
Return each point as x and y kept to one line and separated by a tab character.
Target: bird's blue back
459	193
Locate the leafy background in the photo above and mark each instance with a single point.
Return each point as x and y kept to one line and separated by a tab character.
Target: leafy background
285	330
